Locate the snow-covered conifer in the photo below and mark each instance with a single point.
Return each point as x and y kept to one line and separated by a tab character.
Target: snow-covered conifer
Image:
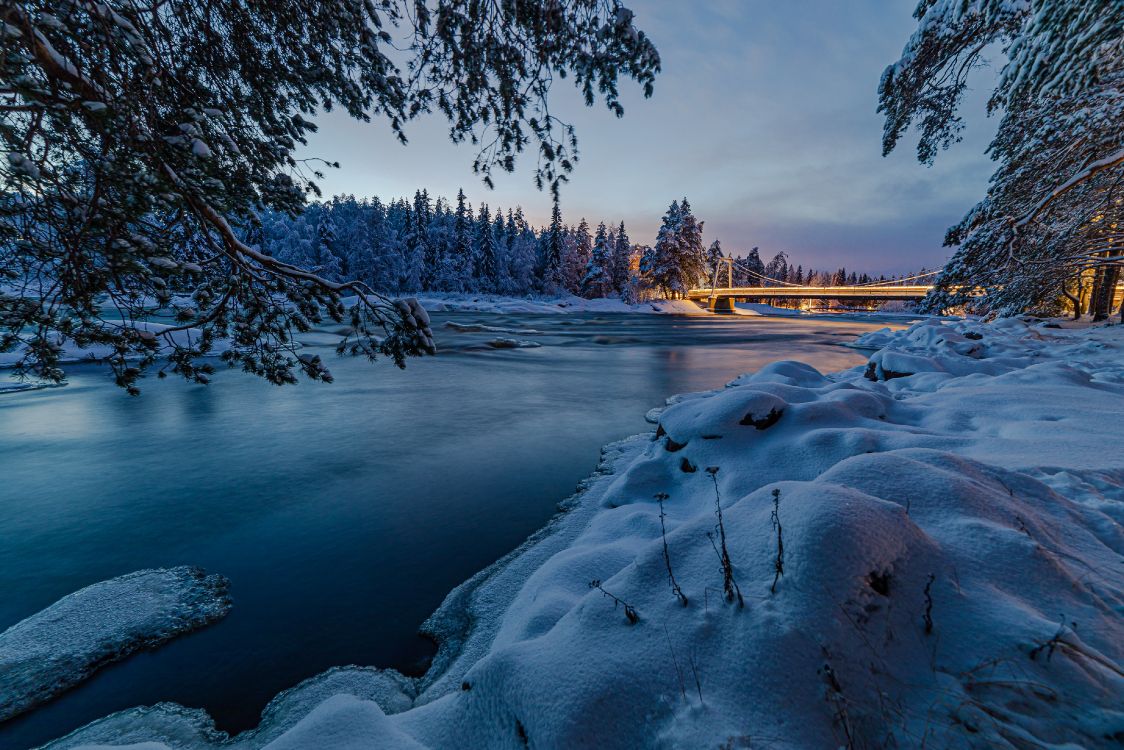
622	260
598	275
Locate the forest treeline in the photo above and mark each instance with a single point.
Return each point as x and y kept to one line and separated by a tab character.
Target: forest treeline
439	245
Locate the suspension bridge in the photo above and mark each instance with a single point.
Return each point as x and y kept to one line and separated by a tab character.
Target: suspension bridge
721	299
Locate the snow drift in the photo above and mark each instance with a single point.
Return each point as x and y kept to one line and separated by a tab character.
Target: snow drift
926	551
67	642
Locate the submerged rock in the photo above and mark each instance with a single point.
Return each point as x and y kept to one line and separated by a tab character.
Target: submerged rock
502	343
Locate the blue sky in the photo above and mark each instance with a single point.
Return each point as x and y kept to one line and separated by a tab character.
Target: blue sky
764	117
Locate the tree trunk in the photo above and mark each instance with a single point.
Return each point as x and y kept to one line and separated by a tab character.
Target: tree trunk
1075	301
1104	289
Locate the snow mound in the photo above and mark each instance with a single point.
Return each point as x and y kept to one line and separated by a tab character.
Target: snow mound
66	643
923	552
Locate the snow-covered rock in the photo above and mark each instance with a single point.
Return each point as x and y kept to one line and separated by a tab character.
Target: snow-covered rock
67	642
931	559
506	343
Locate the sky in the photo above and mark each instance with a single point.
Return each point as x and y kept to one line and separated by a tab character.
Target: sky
764	116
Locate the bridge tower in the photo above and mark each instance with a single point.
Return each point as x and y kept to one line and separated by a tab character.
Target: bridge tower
714	303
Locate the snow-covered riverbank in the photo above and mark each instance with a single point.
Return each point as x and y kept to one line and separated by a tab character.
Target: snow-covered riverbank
923	550
487	303
492	303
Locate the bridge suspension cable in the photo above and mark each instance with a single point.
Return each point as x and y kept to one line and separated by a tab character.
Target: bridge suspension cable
898	281
763	277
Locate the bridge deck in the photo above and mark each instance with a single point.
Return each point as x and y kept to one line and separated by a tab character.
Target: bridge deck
887	292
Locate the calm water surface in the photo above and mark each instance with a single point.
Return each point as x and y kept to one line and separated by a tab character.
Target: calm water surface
341	513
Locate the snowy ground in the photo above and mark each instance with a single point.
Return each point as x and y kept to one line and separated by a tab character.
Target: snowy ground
64	644
922	552
490	303
486	303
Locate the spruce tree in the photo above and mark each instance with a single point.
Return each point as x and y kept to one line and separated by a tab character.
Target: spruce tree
622	260
579	248
714	264
692	252
487	266
461	261
777	269
420	241
325	261
552	275
598	276
755	268
662	267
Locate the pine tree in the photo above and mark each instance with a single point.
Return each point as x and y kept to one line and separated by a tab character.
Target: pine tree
524	268
777	269
487	266
622	261
553	253
714	264
169	125
461	252
503	251
325	262
420	243
579	248
662	267
1030	241
692	251
598	276
752	269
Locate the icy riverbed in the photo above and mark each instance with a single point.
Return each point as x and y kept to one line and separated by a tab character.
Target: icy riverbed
924	550
64	644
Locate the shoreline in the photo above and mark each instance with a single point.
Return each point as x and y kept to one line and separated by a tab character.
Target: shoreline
475	623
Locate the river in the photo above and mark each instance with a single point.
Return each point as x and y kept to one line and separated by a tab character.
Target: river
342	513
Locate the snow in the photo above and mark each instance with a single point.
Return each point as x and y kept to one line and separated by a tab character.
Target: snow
759	308
481	328
18	387
951	574
66	643
488	303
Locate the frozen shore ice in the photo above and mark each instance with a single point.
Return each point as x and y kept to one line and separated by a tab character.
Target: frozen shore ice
68	641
